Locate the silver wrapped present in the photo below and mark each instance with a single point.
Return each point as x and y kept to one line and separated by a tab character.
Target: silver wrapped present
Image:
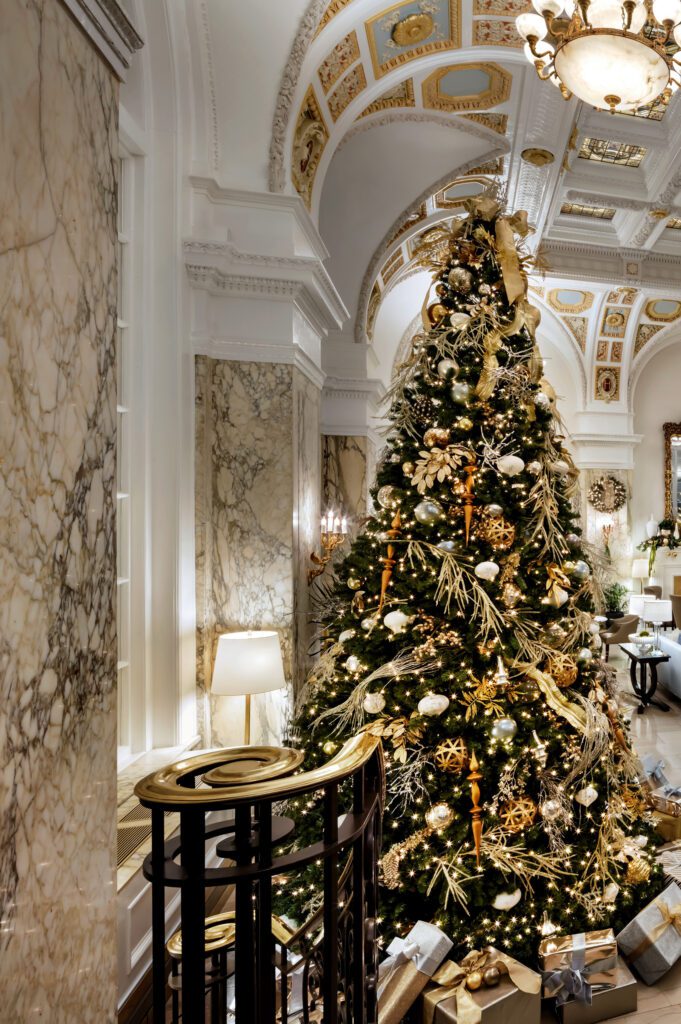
651	943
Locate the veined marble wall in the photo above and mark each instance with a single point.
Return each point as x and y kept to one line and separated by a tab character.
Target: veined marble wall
58	167
348	467
257	506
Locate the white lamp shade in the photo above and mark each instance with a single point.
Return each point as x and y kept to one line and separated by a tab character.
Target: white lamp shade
639	570
248	663
593	66
657	611
636	604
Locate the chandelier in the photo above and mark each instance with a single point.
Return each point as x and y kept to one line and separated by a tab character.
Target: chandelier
617	56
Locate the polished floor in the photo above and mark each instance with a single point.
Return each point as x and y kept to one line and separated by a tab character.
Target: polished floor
656	732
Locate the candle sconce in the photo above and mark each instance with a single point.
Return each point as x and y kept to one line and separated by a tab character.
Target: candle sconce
334	530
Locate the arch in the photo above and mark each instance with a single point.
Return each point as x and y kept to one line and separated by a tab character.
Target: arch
667	337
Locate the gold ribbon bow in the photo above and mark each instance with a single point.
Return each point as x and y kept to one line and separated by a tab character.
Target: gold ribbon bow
515	280
671	918
450	980
490	364
557	700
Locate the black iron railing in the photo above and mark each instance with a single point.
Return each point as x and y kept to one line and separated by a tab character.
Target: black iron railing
326	969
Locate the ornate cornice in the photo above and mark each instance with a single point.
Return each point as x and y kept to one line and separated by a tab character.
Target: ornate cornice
212	98
457	122
609	265
109	30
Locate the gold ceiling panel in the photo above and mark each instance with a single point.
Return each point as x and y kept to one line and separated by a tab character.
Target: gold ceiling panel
663	310
494	32
401	95
336	63
614	322
494	87
582	210
607	383
570	300
643	335
309	140
347	90
412	29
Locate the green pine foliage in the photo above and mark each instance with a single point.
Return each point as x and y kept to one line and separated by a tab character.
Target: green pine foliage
497	646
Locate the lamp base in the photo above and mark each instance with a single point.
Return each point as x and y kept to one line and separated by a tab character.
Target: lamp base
247	721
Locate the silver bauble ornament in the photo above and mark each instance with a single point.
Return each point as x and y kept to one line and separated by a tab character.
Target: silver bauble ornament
583	656
573	539
459	320
586	796
581	570
510	465
507	900
389	496
595	629
491	976
353	663
396	621
373	703
460	279
542	400
446	545
347	634
534	467
439	816
487	570
447	369
494	510
596	642
560	467
461	393
549	810
504	729
368	623
433	704
428	512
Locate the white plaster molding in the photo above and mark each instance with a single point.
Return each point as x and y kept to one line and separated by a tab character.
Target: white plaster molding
608	264
457	122
210	83
109	30
289	81
381	251
244	350
353	407
604	451
605	198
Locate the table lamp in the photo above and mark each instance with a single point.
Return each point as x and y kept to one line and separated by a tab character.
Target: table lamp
248	663
637	604
640	571
657	612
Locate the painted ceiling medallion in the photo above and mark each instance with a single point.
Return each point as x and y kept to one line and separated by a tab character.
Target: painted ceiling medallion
664	310
466	87
413	29
613	55
570	300
537	157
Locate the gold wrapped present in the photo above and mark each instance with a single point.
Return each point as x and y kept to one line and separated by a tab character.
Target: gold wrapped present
411	964
613	1001
667	799
576	964
651	943
667	826
459	993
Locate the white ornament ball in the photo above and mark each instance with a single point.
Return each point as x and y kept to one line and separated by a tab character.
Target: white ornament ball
557	598
347	634
433	704
584	656
586	796
534	467
494	510
353	663
447	368
507	900
560	467
446	545
396	621
595	629
428	512
596	643
504	729
487	570
611	892
368	624
510	465
373	703
461	392
641	841
581	570
542	400
459	320
550	810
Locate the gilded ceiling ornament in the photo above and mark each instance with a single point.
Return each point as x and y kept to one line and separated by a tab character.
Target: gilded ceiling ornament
413	29
537	157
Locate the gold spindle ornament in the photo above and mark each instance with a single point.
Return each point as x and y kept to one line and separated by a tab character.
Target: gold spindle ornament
476	811
389	560
468	498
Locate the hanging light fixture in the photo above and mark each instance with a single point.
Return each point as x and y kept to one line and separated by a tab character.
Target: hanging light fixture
616	55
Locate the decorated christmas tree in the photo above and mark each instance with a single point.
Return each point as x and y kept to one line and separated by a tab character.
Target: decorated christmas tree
460	629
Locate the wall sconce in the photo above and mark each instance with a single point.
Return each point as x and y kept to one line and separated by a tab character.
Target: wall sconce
334	530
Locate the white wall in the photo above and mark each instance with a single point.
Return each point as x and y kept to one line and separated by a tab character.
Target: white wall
656	400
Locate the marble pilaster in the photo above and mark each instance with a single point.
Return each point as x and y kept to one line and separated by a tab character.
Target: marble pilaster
347	465
58	167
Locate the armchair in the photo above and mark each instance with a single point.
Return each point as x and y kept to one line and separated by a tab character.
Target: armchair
618	632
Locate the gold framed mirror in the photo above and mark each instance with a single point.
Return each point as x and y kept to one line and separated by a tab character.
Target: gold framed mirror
672	470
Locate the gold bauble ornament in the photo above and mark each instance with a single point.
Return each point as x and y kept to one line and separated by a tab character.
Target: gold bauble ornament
436	437
474	981
491	976
511	594
408	468
460	279
451	755
464	423
439	816
330	747
436	313
562	669
498	532
518	814
638	871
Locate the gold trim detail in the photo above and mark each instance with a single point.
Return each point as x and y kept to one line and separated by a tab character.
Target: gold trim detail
309	140
580	307
163	788
607	383
662	317
669	430
497	122
413	29
338	61
537	156
614	322
497	92
452	42
347	90
401	96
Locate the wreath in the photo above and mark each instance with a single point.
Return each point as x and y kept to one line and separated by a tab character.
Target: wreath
607	494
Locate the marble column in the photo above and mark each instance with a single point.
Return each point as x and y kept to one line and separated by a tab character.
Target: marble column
58	171
347	474
257	510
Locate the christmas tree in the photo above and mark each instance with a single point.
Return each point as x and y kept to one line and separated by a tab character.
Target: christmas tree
460	629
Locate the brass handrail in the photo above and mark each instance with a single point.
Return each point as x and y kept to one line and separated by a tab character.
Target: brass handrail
164	787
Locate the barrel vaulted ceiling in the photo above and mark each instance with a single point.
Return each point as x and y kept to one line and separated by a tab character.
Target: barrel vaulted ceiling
384	117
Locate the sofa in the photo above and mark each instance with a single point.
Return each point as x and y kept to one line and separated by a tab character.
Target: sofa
669	673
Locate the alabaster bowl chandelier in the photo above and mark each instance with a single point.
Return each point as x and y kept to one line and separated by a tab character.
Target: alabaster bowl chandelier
617	56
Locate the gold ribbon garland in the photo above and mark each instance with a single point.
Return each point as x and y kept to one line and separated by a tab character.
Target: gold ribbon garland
556	700
485	386
450	980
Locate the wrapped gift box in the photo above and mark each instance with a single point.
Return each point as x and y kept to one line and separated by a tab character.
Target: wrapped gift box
515	1000
610	1002
651	943
573	962
667	799
654	772
410	965
667	826
669	857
